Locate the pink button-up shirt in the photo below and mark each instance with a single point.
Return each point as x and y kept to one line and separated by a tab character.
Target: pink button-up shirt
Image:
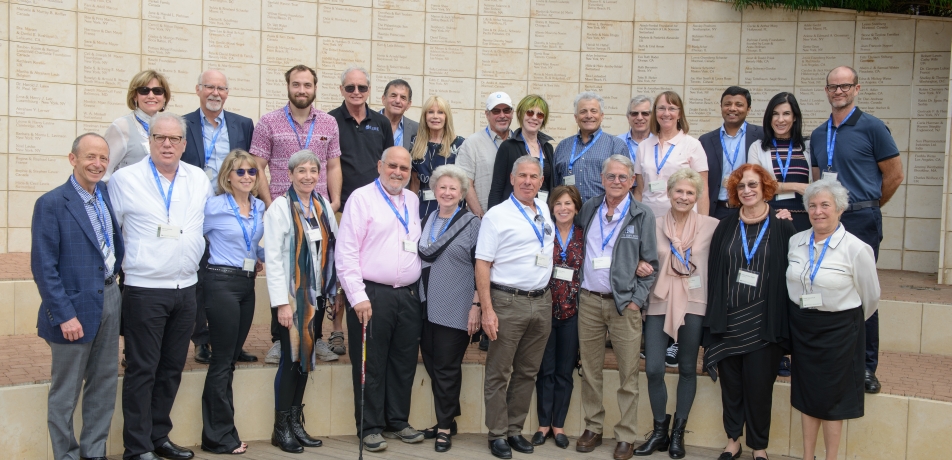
275	140
370	242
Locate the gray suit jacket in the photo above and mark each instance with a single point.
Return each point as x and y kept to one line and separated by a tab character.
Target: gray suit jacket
410	128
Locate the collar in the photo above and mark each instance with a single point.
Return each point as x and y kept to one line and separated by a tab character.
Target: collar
853	119
347	115
628	137
618	209
83	193
740	132
835	238
399	125
579	135
310	115
496	135
220	118
653	139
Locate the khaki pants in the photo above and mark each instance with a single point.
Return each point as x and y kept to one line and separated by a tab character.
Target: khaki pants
514	359
595	316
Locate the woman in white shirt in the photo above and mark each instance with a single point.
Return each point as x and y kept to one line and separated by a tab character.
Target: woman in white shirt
128	136
832	282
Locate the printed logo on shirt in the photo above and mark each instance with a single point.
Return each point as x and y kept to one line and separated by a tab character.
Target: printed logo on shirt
629	232
375	128
323	138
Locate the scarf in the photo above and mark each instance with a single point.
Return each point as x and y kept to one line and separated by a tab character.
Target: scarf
312	278
670	285
755	219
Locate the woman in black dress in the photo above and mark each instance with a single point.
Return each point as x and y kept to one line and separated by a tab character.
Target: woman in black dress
745	327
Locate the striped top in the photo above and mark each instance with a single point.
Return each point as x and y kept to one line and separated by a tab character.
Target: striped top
799	172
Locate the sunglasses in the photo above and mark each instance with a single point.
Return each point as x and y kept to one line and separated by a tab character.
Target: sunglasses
751	185
533	114
634	114
251	172
505	110
361	88
144	90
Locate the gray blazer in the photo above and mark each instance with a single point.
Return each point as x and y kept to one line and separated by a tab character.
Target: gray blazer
410	129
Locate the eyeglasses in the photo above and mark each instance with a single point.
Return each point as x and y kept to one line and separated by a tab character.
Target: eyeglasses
620	177
402	168
361	88
672	109
751	185
533	114
845	87
144	90
680	269
634	114
212	88
505	110
251	172
175	140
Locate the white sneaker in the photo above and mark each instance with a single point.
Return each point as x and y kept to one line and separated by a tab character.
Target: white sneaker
324	352
274	354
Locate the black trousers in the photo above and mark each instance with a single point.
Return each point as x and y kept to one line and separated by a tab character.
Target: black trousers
230	306
290	381
158	323
393	339
554	384
443	349
867	225
200	334
747	392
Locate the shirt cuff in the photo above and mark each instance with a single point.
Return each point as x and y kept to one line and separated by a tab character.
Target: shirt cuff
357	297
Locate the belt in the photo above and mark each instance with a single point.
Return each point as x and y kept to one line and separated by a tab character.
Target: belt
110	280
726	204
862	204
520	292
226	270
608	296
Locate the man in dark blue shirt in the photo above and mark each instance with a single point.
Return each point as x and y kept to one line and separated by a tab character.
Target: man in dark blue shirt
858	150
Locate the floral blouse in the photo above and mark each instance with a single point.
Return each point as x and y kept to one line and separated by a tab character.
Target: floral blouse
564	293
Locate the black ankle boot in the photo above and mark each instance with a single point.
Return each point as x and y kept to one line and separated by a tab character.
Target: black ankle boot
677	438
282	437
657	439
297	428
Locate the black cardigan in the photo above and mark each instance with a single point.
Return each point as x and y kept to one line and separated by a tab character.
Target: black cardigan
510	151
775	328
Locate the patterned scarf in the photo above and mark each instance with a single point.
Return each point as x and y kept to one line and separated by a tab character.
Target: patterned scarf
313	279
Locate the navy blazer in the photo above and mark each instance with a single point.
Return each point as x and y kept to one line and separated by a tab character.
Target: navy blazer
715	153
239	136
67	264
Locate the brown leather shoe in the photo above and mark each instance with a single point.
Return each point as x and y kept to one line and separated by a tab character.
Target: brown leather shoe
588	442
624	451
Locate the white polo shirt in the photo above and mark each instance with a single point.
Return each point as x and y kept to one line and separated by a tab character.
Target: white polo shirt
507	239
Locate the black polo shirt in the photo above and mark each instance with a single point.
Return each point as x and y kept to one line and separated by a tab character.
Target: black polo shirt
361	146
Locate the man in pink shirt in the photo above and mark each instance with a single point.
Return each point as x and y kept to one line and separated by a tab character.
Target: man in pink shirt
378	267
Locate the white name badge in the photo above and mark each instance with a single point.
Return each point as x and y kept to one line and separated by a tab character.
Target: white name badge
694	282
657	186
564	273
428	195
785	196
544	196
747	277
168	231
811	301
313	235
569	180
111	261
542	260
600	263
248	265
211	174
409	246
828	175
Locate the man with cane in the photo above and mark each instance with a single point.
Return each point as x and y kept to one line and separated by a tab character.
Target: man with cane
378	267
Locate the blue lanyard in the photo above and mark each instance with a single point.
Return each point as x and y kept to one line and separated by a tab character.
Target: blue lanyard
493	139
831	138
100	213
405	220
784	166
663	160
631	149
575	158
297	137
740	135
564	244
217	132
145	125
446	225
749	253
601	222
158	184
686	260
254	220
523	211
815	269
541	156
310	206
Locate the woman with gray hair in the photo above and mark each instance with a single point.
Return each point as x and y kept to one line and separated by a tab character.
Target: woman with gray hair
832	282
447	282
300	233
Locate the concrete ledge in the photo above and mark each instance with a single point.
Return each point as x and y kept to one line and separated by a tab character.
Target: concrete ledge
896	427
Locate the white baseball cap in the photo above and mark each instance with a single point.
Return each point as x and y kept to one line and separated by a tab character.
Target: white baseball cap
497	98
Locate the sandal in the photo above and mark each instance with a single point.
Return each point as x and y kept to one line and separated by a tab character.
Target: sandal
240	449
336	343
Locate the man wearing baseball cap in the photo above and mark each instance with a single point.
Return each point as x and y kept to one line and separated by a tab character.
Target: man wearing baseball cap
478	153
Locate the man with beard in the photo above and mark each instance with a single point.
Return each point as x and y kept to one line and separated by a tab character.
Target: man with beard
282	133
212	133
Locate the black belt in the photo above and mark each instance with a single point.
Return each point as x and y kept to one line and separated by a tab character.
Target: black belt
862	205
608	296
110	280
520	292
234	271
726	204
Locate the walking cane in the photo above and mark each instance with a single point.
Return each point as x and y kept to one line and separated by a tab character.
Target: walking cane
363	381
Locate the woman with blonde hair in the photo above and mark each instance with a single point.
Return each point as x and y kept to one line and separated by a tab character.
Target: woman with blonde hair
435	144
128	135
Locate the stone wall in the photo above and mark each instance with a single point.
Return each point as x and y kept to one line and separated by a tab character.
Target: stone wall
66	64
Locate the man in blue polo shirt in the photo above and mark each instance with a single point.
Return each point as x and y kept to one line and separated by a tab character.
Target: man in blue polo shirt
858	150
